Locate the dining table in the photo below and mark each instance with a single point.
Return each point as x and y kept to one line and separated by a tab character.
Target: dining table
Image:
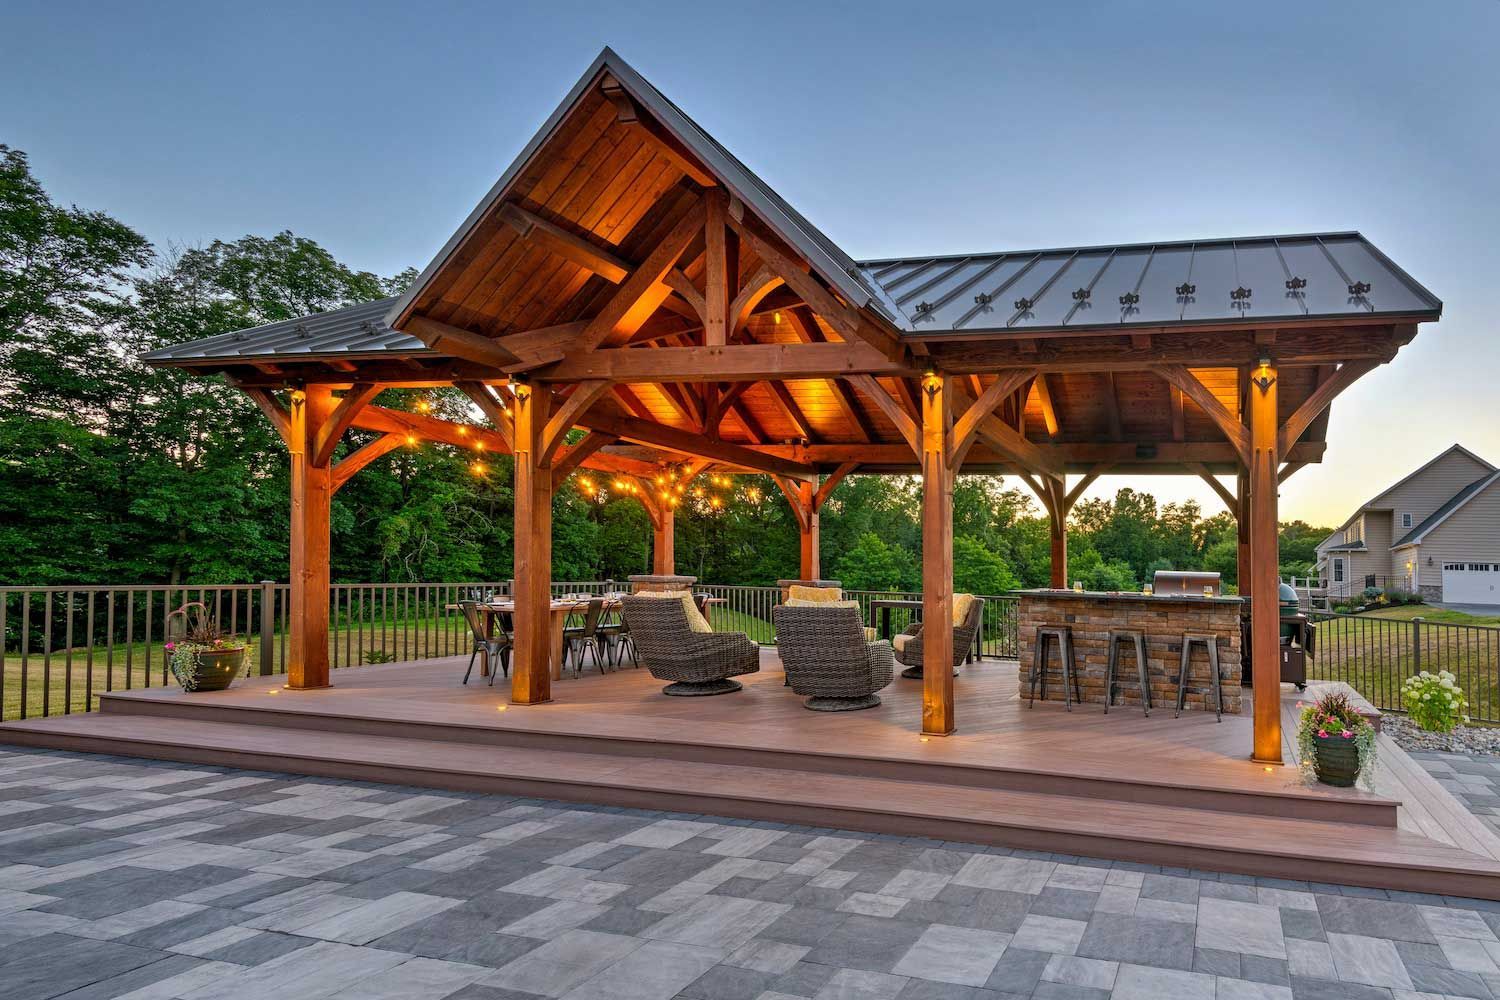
558	612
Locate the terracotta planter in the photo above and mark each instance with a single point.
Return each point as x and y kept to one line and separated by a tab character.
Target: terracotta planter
215	669
1337	760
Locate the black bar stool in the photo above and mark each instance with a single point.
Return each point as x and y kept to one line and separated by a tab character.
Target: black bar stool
1062	637
1211	644
1138	640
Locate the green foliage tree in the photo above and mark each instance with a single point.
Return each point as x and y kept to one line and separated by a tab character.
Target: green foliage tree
978	570
872	564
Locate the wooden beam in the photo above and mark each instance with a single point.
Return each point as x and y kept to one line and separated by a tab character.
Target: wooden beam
568	462
831	482
338	422
639	295
1231	502
627	112
1044	399
1112	408
345	468
1004	438
564	243
967	425
1288	471
793	411
791	491
531	669
461	343
756	432
1179	417
732	363
492	408
633	402
760	284
1320	399
680	283
893	411
1206	401
312	501
844	396
281	421
691	443
1071	497
585	395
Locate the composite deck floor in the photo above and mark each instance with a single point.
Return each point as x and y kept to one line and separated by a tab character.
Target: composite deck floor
1157	789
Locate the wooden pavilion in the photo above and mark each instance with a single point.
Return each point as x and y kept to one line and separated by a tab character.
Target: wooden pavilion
630	278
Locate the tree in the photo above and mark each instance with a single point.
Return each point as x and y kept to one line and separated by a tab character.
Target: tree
977	570
874	565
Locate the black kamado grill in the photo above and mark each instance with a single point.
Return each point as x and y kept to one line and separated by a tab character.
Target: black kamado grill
1298	636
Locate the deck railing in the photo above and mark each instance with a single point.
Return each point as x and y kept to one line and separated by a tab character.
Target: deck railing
64	646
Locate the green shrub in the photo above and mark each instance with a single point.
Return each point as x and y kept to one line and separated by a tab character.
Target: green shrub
1435	702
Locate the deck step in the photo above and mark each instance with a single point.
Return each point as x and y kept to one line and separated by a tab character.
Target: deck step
1078	774
1274	845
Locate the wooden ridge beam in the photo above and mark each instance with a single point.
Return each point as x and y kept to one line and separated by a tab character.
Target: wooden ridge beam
344	469
565	244
1321	398
1192	388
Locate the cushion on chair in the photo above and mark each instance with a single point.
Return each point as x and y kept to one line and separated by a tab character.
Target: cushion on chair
898	642
695	619
961	604
871	635
802	602
813	595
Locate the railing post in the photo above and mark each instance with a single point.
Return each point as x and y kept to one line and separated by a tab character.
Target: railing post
267	627
1416	645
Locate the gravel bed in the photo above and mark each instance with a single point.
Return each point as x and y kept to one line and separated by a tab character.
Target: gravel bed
1464	739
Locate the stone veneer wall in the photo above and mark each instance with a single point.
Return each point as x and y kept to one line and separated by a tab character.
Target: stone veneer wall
642	582
1163	620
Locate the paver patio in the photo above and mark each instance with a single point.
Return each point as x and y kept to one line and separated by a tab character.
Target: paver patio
123	878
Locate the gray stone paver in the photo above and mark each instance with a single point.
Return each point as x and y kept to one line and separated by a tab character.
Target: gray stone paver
124	878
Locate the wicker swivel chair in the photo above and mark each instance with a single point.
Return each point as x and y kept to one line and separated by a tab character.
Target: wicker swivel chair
963	640
696	663
828	659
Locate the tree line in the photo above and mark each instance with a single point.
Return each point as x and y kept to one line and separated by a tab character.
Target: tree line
115	472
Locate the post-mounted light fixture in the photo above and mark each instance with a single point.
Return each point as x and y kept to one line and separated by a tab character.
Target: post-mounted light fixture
1263	378
930	383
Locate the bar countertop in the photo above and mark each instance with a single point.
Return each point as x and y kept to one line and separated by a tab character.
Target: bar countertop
1111	595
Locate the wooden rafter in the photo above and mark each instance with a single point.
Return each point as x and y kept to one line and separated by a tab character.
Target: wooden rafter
760	284
1043	390
1322	397
633	402
1179	417
639	295
274	411
568	462
831	482
492	408
967	425
792	410
844	396
565	416
627	112
344	469
1112	408
560	241
1231	502
1004	439
1206	401
355	399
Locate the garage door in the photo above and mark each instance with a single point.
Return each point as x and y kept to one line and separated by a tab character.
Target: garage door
1471	583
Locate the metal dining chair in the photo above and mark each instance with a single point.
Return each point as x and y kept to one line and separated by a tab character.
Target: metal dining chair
616	638
585	638
496	648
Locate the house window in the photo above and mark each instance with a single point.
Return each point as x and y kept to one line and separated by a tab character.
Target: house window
1406	520
1338	571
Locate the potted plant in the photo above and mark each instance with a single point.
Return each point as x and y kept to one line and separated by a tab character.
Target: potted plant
202	657
1435	702
1337	744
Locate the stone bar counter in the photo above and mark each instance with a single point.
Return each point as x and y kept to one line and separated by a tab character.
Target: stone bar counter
1162	620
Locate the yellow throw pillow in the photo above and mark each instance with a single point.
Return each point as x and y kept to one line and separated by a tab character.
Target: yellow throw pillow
898	642
870	634
802	602
813	595
961	603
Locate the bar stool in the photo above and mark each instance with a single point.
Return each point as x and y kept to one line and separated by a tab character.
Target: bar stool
1211	644
1062	637
1138	640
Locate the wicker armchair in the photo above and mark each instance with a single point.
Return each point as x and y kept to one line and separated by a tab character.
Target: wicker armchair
697	663
963	641
828	658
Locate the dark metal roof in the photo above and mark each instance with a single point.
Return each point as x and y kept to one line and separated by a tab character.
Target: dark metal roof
1347	547
1326	275
357	331
1440	515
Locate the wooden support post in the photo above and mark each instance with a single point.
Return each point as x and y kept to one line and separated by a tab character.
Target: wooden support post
664	542
1242	558
812	567
937	556
1059	526
531	676
1264	577
312	500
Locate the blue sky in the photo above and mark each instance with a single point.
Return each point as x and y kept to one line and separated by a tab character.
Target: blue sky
897	128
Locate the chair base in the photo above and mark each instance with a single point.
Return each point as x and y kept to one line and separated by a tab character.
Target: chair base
699	689
828	703
915	673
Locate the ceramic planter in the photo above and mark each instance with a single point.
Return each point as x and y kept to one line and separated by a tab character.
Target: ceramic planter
1337	760
214	669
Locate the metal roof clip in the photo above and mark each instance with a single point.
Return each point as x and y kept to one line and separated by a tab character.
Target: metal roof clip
1024	304
983	299
923	308
1130	298
1240	294
1359	288
1082	295
1186	289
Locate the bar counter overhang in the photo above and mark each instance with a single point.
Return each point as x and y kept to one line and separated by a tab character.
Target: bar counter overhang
1163	620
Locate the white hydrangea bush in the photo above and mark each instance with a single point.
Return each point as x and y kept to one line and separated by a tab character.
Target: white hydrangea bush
1435	702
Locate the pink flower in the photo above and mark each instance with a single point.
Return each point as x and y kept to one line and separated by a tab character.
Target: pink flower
1346	734
1322	734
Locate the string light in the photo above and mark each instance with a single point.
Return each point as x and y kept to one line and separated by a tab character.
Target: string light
411	440
477	468
423	406
463	431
